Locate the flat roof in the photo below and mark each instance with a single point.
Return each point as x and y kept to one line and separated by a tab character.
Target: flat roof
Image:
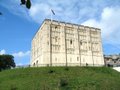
71	24
64	23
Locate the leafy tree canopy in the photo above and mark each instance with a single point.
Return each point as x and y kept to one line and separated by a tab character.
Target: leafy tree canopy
6	62
27	3
24	2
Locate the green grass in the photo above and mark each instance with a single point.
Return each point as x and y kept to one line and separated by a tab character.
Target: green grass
60	78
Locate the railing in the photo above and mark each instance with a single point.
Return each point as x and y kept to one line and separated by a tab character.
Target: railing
64	64
22	66
68	64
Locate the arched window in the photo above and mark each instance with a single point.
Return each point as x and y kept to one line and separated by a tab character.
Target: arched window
56	59
77	58
55	38
34	64
37	62
55	27
70	41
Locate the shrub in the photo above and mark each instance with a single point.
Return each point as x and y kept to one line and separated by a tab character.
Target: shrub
51	71
66	68
13	88
6	62
63	82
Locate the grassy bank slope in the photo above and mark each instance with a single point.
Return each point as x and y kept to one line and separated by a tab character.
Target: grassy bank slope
60	78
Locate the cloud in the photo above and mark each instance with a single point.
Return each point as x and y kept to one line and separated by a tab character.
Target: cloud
2	52
22	58
98	13
21	54
109	23
75	11
38	13
65	10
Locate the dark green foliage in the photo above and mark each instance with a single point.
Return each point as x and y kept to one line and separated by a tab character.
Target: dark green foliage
51	71
66	68
23	2
86	64
63	82
6	62
28	4
110	65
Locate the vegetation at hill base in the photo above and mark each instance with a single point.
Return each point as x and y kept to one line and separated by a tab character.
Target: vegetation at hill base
60	78
6	62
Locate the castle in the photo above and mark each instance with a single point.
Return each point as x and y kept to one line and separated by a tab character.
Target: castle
65	44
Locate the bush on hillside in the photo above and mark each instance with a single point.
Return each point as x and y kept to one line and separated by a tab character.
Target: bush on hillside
51	71
63	82
6	62
66	68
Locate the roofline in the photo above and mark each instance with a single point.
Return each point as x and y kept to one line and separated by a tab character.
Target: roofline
38	30
71	24
62	22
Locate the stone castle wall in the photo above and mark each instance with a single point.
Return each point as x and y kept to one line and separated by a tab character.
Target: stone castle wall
58	43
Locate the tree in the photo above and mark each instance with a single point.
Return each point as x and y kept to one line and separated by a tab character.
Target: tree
6	62
24	2
27	3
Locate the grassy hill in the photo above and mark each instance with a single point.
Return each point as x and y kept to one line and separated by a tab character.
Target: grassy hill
60	78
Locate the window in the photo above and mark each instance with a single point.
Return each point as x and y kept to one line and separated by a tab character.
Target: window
55	27
80	43
55	47
48	42
70	41
56	59
37	62
56	39
34	64
58	47
77	58
70	59
89	47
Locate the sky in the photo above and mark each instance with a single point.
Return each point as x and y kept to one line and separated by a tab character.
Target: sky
18	24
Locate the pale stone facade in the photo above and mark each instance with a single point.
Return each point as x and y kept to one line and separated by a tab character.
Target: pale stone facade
59	44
